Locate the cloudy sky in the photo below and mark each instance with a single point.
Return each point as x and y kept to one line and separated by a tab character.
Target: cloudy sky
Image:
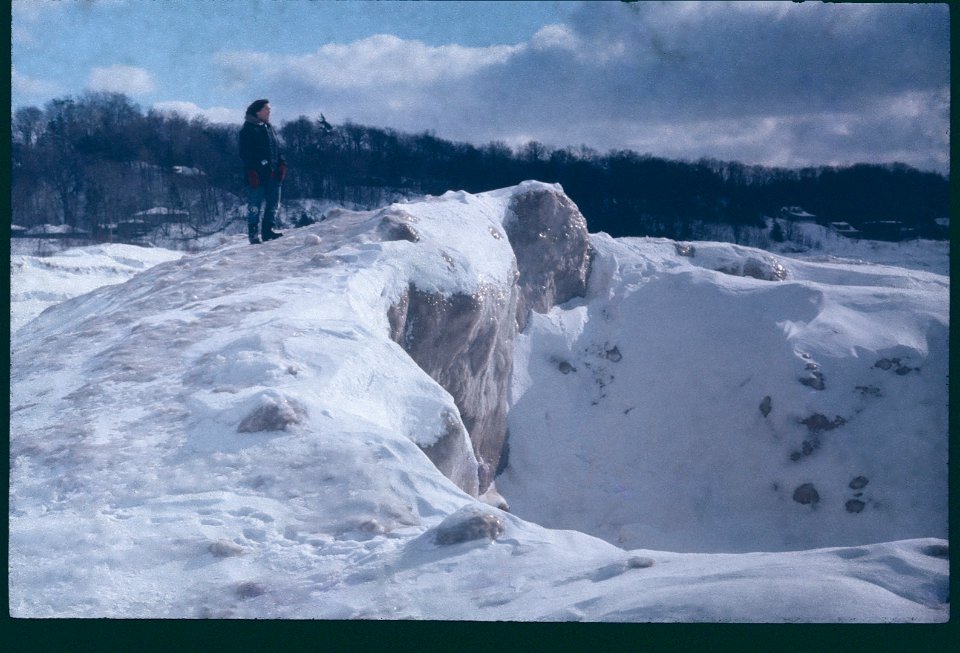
773	83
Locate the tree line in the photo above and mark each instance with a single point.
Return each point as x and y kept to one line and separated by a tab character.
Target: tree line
91	161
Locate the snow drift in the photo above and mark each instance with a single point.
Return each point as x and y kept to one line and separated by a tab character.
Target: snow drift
723	400
302	429
38	282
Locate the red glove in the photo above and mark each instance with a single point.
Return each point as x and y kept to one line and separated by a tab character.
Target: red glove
282	170
253	179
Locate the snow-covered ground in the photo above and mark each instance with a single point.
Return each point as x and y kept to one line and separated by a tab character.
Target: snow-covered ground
37	282
713	433
813	242
684	407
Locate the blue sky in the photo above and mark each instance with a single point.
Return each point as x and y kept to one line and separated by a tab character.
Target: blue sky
773	83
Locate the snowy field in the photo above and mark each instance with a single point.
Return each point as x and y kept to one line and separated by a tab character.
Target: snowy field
712	434
819	244
37	282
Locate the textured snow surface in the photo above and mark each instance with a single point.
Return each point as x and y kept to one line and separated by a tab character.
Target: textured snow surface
234	434
677	401
37	282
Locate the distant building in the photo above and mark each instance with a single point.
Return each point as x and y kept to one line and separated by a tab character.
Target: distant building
160	214
55	231
892	230
796	214
131	229
143	222
845	229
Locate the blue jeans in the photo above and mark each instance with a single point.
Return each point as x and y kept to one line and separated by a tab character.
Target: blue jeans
267	192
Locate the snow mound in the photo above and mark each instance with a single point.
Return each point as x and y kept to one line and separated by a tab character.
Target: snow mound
239	434
678	399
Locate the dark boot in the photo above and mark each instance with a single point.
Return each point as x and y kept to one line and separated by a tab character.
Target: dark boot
252	234
267	233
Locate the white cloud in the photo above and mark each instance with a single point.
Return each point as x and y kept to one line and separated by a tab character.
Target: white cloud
23	85
121	79
771	83
25	15
32	10
555	36
191	110
377	60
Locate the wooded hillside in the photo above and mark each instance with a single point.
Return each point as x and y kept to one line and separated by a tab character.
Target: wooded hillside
98	160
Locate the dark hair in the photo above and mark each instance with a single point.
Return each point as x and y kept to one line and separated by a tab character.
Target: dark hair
255	106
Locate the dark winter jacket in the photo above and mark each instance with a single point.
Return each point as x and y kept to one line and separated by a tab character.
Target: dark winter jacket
259	149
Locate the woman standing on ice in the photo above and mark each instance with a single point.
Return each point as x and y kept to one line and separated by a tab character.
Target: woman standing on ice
264	170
